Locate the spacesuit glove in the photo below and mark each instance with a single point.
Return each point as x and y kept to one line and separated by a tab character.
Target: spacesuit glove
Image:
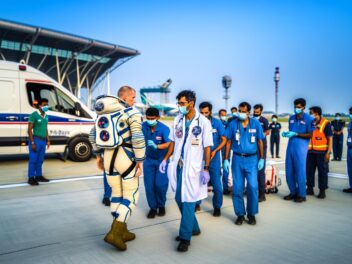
205	177
226	165
162	166
152	144
261	164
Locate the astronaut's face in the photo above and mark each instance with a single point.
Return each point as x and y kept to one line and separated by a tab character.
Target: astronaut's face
129	97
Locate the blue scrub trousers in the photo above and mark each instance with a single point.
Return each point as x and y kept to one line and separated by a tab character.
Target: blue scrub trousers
36	158
349	165
189	223
245	168
215	179
155	183
337	146
296	160
107	188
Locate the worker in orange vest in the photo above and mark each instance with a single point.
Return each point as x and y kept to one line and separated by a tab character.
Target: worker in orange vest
319	151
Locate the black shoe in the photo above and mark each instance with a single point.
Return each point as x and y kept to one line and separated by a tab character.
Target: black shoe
348	190
321	194
195	233
217	212
106	201
152	213
239	220
261	197
162	211
226	192
183	246
197	209
251	220
272	157
310	191
278	157
41	179
32	181
334	159
299	199
290	197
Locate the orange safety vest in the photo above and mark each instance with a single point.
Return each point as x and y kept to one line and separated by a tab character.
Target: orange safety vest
319	141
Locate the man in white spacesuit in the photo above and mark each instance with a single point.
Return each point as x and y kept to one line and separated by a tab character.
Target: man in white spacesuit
118	132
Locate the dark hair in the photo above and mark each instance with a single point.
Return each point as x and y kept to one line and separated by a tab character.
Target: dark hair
234	108
245	104
152	111
337	114
350	109
316	110
222	110
188	94
42	100
206	104
274	116
260	106
300	101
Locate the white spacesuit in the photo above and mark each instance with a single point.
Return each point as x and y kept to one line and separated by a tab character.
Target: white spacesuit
118	131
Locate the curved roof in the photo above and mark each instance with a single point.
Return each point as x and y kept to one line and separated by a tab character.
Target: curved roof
72	60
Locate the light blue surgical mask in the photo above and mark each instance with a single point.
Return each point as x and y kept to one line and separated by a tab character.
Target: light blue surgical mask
242	116
298	110
235	114
274	120
152	122
45	108
183	110
351	117
337	118
223	118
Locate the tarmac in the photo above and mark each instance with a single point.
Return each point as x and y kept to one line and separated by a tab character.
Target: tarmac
64	222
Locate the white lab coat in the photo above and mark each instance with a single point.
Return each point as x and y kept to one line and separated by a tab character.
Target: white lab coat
192	188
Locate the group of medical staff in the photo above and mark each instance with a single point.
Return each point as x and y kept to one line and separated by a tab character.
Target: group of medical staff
199	150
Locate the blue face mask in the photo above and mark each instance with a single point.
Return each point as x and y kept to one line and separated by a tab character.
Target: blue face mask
183	110
152	122
351	117
235	114
223	118
274	120
242	116
298	111
337	118
45	108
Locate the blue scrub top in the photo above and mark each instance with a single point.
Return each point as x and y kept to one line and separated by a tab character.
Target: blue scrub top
275	128
349	135
160	136
338	125
218	131
303	125
245	145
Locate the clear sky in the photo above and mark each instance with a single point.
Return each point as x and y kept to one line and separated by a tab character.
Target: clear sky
197	42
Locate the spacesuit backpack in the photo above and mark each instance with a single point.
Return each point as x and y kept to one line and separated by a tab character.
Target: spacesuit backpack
109	109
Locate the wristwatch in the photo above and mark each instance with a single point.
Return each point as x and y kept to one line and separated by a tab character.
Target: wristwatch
206	167
329	152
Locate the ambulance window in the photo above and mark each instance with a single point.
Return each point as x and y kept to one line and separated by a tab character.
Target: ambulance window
37	91
67	105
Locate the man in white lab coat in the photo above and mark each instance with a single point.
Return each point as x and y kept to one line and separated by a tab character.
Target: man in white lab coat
191	140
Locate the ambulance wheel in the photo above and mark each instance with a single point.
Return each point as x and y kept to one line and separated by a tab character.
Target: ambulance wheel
80	149
275	190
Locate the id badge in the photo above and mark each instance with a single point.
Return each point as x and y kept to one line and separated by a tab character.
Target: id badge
252	139
195	142
349	140
237	137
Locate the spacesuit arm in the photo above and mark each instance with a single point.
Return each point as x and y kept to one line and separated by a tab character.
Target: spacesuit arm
93	143
138	141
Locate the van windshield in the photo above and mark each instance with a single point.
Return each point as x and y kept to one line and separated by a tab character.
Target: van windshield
58	101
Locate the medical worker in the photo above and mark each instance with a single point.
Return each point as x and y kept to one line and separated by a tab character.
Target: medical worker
349	153
219	141
225	175
337	129
301	127
191	141
156	136
245	137
38	142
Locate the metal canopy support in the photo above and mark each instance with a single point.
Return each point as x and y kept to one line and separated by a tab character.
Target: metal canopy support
29	51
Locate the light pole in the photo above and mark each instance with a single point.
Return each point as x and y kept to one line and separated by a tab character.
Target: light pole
276	79
226	83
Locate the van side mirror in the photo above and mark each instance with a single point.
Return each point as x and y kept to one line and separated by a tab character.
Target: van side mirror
78	108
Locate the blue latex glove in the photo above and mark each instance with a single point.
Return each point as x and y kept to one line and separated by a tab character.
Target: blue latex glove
205	177
226	165
284	134
261	164
152	144
291	134
162	166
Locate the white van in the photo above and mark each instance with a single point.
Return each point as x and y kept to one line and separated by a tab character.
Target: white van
70	121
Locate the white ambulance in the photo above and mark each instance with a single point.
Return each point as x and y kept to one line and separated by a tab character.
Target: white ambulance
70	121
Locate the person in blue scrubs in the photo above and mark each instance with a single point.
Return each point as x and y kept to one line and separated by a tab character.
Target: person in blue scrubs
337	129
245	136
219	141
257	113
156	136
301	127
349	153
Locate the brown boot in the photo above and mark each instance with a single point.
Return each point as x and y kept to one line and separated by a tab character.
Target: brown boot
115	235
127	235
